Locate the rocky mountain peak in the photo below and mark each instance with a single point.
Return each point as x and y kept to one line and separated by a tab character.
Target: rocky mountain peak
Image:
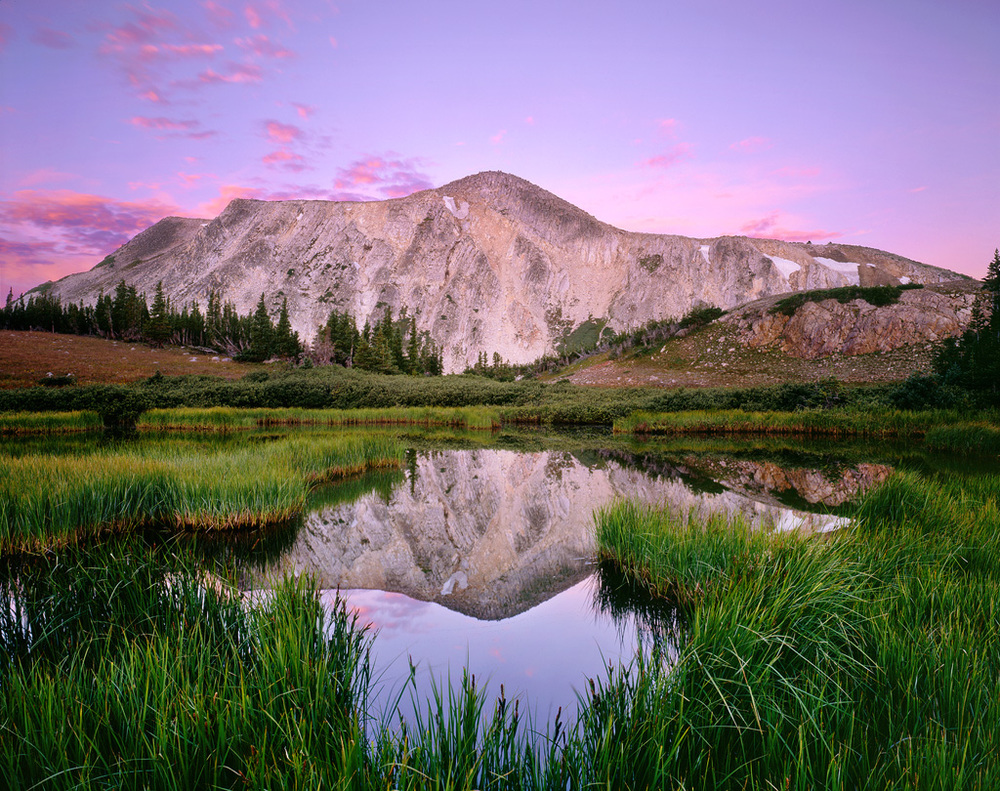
487	263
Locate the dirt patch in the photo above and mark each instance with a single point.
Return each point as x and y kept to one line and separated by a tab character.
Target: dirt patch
26	357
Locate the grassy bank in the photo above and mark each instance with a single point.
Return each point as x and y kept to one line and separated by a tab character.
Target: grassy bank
864	661
48	500
872	422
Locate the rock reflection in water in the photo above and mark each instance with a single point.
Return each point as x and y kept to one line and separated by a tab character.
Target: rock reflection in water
492	533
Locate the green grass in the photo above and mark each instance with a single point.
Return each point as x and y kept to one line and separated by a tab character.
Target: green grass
982	439
872	422
230	418
48	422
867	659
48	500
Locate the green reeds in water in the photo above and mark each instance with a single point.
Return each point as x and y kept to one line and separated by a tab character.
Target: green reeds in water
866	659
230	418
49	422
48	500
810	422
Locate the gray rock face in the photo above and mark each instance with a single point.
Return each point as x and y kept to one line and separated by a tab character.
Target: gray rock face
819	329
488	263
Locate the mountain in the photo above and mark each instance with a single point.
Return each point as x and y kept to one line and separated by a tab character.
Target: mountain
488	263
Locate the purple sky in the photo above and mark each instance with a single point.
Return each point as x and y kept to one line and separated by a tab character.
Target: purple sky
873	123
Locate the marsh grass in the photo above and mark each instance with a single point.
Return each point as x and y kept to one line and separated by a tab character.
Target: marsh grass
231	418
867	659
49	422
981	439
874	422
52	500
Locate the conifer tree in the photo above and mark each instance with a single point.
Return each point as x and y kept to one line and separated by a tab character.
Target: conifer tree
157	329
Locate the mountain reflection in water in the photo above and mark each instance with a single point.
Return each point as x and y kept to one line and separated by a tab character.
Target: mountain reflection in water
484	558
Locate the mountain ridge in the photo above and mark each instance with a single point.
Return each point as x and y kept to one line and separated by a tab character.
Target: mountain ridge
487	263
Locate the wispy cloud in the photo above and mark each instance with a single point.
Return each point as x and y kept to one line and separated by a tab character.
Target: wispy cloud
667	127
772	226
234	73
669	158
751	145
380	177
52	233
497	139
93	221
169	127
287	160
218	14
304	110
282	133
262	46
54	39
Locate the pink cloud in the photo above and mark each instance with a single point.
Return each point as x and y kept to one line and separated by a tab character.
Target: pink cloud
54	39
228	193
530	120
189	180
218	14
52	233
282	133
98	220
151	47
262	46
42	176
286	159
334	43
498	137
752	144
667	126
175	128
917	189
675	155
259	14
768	227
304	110
148	26
379	177
235	73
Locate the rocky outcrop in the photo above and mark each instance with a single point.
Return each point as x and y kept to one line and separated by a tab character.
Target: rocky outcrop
487	263
819	329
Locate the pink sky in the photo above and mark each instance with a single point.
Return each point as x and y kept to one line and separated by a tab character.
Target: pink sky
867	123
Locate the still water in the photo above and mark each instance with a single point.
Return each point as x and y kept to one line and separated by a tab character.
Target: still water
483	558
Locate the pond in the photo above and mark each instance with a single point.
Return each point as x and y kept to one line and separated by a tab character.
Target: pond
479	552
483	558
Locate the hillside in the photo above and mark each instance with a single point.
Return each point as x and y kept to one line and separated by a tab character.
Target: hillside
487	263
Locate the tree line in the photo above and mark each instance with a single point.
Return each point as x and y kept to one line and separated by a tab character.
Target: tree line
391	346
126	315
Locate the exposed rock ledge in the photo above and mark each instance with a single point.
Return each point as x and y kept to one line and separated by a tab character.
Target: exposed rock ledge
819	329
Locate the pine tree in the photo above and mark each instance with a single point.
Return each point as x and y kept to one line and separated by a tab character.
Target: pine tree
973	360
286	343
261	335
157	329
